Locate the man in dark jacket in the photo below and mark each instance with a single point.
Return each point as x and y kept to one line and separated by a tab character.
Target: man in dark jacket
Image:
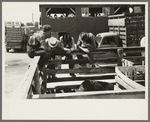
37	46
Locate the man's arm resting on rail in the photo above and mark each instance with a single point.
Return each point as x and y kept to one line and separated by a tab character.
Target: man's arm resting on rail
83	49
33	53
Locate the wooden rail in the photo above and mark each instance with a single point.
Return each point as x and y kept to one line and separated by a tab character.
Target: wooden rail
30	82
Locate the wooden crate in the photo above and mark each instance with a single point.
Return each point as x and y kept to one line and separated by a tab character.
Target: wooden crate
14	45
130	27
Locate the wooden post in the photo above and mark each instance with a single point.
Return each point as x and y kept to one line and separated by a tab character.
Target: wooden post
36	89
111	10
120	56
44	83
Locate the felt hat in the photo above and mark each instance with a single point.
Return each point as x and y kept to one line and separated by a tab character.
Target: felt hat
52	42
46	28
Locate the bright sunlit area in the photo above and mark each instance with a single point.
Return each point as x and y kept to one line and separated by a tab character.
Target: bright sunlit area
20	11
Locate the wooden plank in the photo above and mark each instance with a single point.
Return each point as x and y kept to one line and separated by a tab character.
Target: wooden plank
121	28
77	61
13	43
123	33
142	81
124	94
73	83
69	84
23	89
124	84
44	83
135	58
13	47
123	37
84	70
30	92
105	55
15	40
104	51
37	89
129	81
116	16
116	88
134	49
117	28
83	77
101	50
116	22
127	15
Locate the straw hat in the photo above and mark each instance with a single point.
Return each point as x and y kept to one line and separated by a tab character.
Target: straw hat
52	42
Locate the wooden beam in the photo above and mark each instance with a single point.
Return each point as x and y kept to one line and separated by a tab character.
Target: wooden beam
141	81
77	61
62	85
135	58
124	84
103	50
30	92
44	83
100	50
83	77
84	70
116	88
24	88
69	84
124	94
133	50
36	80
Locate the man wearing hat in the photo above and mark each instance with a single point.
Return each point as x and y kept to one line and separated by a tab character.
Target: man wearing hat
87	43
54	44
68	45
38	47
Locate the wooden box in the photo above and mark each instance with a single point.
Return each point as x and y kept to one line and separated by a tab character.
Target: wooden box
130	27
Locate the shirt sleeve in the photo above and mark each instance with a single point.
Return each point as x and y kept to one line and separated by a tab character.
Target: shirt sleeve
61	43
93	40
72	44
79	42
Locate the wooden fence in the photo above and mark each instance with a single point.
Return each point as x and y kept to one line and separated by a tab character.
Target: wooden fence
34	81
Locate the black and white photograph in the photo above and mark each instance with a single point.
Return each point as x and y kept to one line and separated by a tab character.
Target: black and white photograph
75	60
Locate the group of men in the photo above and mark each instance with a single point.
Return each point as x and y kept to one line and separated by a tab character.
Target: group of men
41	44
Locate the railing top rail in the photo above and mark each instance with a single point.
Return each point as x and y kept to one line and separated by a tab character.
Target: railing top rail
23	89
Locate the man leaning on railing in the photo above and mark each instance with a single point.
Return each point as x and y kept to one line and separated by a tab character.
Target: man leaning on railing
37	46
